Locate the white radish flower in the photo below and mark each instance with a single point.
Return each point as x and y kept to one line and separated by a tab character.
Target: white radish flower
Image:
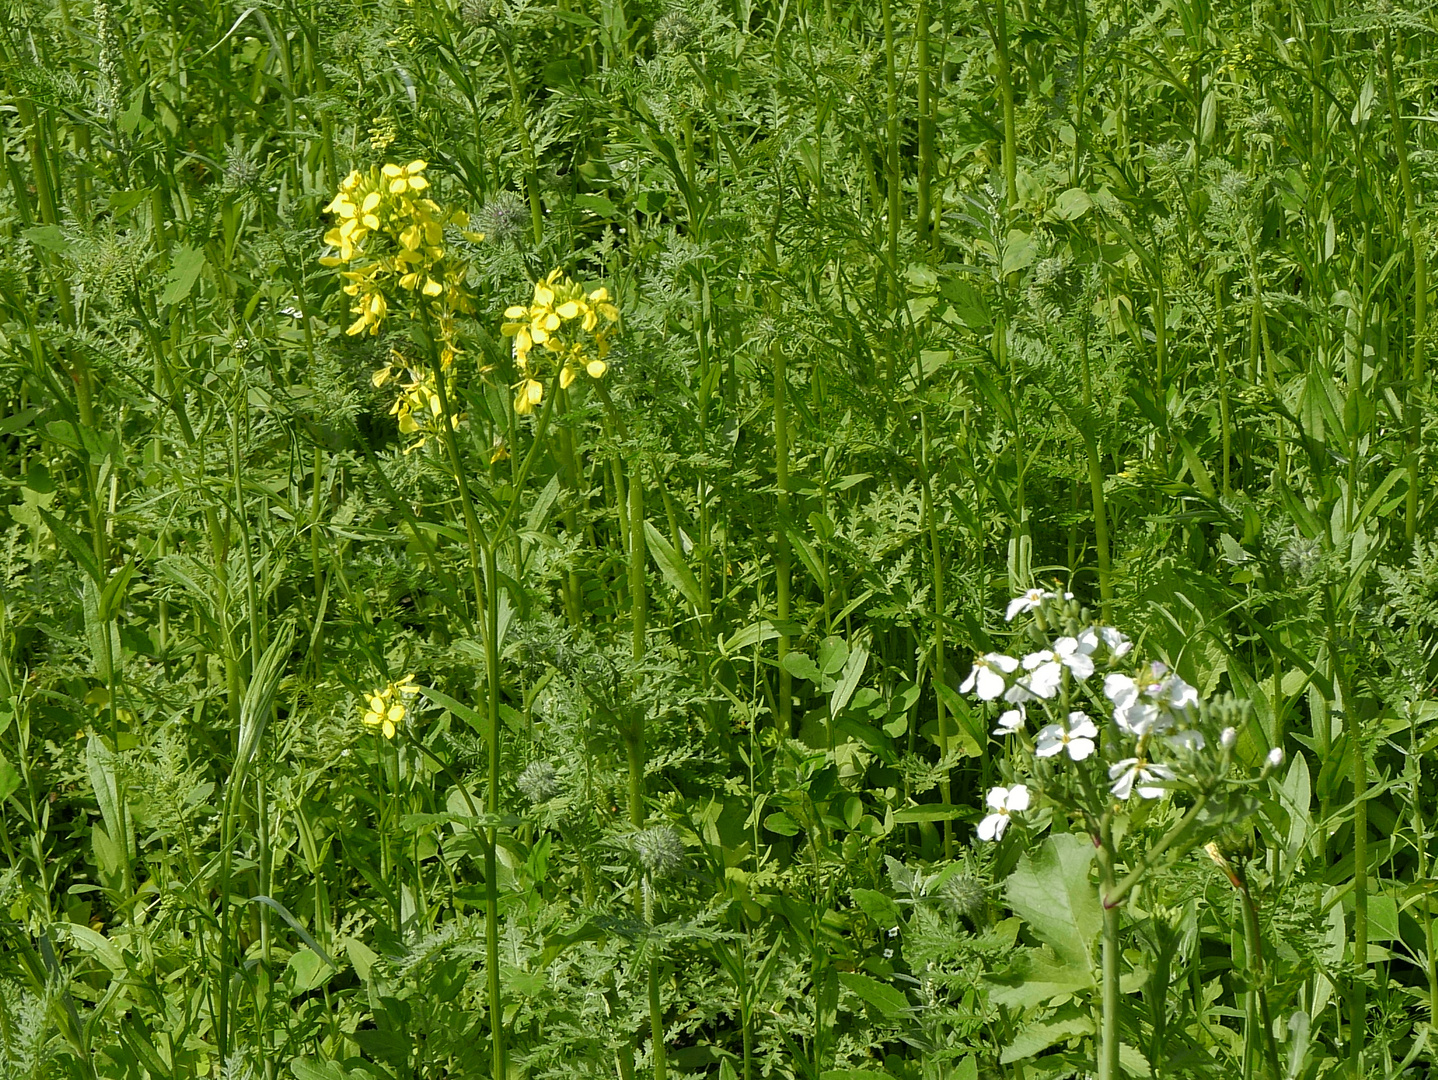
1074	654
1187	742
1116	641
1132	774
987	676
1131	711
1027	602
1077	739
1003	802
1011	721
1045	672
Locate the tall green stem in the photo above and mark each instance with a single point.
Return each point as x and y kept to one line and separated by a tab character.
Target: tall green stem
1108	1043
1417	361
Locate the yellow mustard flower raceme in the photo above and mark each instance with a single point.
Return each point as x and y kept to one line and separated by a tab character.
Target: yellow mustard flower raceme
387	708
387	232
565	322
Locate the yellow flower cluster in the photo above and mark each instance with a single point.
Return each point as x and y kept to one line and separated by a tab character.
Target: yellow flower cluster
582	344
387	708
389	233
418	409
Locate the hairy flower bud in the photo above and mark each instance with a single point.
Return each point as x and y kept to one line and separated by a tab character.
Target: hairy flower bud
538	782
660	850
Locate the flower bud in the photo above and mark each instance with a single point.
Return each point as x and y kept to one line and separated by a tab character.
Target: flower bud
660	850
1275	757
1228	737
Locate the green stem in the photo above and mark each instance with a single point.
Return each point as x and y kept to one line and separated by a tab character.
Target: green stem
1259	1015
1418	366
1108	1043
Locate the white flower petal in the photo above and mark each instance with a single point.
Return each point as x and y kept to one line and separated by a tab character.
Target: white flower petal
1018	798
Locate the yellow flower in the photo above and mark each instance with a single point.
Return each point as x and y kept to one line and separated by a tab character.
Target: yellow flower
406	178
530	393
561	317
386	708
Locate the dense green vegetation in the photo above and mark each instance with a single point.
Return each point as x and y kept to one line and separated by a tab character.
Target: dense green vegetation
438	700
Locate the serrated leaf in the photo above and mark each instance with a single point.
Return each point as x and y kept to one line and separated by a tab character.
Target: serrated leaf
1051	891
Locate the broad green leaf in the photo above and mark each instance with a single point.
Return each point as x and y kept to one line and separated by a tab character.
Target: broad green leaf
1036	979
880	995
1051	891
1072	204
93	943
306	1068
185	267
878	906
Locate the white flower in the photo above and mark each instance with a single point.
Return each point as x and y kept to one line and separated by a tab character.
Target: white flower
1078	738
1117	641
1011	721
1227	738
1002	801
1188	742
1074	654
1018	694
1027	602
1045	672
1131	771
1130	711
988	674
1173	692
1275	757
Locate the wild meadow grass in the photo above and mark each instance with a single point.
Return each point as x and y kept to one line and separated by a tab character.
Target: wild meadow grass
694	538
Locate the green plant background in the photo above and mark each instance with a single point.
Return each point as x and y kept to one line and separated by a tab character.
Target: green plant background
923	304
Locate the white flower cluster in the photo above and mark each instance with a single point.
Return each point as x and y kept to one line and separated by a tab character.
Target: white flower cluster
1152	709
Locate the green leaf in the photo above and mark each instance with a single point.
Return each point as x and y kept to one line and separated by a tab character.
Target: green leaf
856	660
1036	979
801	665
1019	252
596	204
928	812
1039	1036
9	777
883	997
878	906
294	925
1072	204
48	237
70	540
672	565
470	716
309	1069
185	269
1052	893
